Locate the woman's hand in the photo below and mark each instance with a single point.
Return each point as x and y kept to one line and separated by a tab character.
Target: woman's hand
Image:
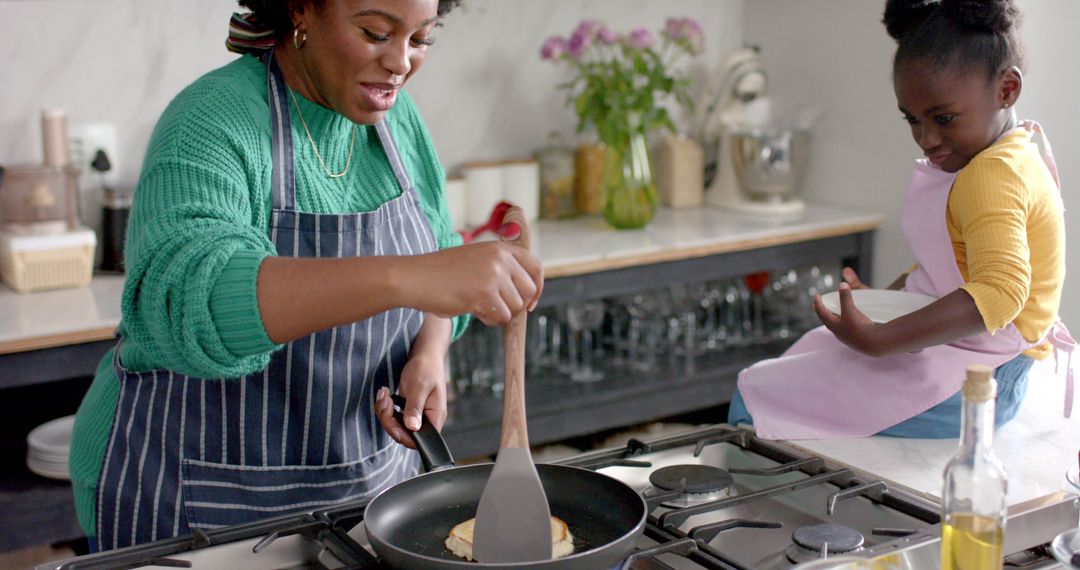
491	280
423	385
851	326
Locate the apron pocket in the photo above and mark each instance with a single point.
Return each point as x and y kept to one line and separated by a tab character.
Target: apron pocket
217	495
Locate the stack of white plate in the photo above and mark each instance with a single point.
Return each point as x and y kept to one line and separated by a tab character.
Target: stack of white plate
48	446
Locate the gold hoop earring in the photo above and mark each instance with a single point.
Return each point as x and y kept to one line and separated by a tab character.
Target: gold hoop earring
298	41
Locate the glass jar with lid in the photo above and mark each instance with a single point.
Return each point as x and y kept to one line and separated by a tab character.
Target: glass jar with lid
556	161
588	176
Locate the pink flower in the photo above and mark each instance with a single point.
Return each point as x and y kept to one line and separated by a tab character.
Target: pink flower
695	37
673	28
553	48
686	31
580	41
588	28
641	38
605	36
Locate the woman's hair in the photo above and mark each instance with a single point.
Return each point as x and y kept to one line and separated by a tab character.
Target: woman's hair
965	34
275	13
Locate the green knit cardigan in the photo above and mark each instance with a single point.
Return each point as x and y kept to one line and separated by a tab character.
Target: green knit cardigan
199	229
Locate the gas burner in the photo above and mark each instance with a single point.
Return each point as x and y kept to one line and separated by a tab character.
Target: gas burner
703	483
809	541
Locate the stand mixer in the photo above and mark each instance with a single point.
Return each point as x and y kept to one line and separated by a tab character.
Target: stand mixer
735	102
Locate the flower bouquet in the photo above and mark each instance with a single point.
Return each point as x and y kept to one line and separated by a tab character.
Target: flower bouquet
620	84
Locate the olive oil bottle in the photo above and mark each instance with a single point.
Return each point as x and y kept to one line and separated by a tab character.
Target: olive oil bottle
973	496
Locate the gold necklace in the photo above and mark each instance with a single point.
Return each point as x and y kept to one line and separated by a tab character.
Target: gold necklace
352	143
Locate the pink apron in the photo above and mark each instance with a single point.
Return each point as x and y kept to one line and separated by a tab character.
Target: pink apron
821	389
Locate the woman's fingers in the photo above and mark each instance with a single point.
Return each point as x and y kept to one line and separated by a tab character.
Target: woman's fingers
424	397
517	288
490	280
519	291
384	409
493	311
535	271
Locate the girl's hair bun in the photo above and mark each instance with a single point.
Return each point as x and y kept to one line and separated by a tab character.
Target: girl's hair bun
905	16
990	16
959	34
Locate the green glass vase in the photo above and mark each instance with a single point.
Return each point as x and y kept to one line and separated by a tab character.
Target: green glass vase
627	184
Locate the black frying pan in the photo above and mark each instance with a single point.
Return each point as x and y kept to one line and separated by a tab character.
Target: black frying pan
408	523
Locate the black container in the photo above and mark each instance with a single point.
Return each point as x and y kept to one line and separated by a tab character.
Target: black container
114	218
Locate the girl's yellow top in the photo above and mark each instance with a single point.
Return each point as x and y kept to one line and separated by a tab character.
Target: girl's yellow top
1005	218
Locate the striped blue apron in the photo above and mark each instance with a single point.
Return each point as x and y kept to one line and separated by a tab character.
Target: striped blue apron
193	453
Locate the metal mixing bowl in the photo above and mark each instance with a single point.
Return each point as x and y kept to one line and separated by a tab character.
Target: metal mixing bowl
769	163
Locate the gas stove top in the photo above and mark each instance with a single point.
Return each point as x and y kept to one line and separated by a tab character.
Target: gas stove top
781	508
719	498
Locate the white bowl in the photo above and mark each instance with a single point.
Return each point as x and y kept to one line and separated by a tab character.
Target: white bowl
52	438
879	305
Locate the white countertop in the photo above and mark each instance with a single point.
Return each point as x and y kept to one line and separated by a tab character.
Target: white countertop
64	316
1037	447
566	247
588	244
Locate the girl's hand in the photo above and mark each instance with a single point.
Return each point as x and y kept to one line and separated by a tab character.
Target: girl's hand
491	280
851	278
423	385
851	326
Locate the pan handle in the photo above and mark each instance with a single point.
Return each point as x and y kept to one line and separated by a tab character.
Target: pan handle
429	442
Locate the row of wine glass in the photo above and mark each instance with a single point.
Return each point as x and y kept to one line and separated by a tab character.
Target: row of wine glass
586	341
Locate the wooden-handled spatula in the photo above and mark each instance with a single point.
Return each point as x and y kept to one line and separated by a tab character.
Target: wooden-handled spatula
513	522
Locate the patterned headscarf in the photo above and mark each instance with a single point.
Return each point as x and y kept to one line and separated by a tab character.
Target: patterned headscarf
248	35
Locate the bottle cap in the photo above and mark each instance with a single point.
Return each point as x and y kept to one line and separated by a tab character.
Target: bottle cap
979	385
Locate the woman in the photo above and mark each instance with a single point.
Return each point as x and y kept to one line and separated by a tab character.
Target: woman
983	217
291	262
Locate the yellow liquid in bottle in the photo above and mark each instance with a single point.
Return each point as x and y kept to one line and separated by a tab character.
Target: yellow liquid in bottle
971	542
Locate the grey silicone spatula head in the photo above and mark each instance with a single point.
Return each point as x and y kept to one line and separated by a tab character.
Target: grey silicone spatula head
513	522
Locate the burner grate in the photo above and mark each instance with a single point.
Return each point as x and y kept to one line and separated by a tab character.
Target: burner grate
693	479
839	538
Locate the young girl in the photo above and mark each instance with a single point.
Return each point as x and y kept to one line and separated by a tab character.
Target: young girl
983	217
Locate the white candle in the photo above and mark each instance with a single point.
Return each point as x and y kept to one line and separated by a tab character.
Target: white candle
521	186
457	202
484	182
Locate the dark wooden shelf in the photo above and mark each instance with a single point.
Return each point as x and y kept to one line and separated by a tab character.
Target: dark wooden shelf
50	365
36	510
559	408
